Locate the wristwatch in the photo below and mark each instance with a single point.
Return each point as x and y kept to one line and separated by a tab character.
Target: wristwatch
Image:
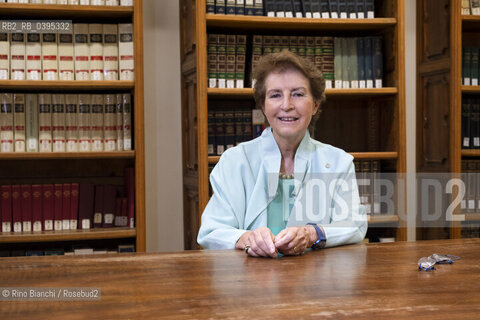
322	241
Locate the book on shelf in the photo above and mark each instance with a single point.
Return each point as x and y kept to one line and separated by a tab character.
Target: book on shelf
95	33
377	61
297	8
220	6
71	128
19	122
466	7
110	122
258	122
58	207
66	207
119	121
211	144
33	53
4	56
129	175
81	51
45	122
83	121
66	64
466	110
58	122
222	61
470	66
17	56
26	207
109	202
475	123
110	51
230	61
74	206
37	219
342	9
31	122
240	7
360	6
47	207
96	121
125	51
230	7
98	213
258	8
49	56
210	6
212	60
86	208
475	7
6	205
241	48
127	121
6	122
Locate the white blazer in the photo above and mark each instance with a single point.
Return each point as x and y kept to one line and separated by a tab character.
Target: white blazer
245	181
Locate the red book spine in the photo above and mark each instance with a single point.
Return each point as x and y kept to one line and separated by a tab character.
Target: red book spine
124	222
26	208
47	207
17	208
130	192
74	206
67	190
109	197
58	207
98	215
6	208
118	211
37	217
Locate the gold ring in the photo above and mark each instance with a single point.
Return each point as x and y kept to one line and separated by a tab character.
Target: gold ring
245	249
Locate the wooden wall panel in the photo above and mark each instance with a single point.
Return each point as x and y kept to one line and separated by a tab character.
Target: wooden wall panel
436	40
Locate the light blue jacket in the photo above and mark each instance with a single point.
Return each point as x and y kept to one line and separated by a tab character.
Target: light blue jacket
245	180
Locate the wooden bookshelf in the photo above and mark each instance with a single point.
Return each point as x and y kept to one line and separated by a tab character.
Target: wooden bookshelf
101	167
382	219
68	235
197	97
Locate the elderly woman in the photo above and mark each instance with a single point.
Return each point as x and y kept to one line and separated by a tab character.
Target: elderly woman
284	191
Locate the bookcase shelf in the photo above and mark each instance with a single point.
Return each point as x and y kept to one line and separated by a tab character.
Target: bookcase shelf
59	85
65	11
356	155
470	89
266	23
68	235
387	103
470	153
248	92
67	155
85	167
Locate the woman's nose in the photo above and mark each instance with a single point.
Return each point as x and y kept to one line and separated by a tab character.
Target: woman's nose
287	102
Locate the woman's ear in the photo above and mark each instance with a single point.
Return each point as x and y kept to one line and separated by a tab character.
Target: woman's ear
316	107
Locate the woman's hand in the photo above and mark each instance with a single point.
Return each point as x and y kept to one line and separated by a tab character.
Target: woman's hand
294	240
260	242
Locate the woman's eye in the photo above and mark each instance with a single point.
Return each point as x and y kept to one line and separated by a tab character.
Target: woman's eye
274	95
298	94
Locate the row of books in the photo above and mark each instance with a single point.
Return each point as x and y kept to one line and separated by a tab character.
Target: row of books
68	206
470	230
471	7
470	66
368	173
471	122
76	2
345	62
228	128
471	178
93	52
47	122
75	250
325	9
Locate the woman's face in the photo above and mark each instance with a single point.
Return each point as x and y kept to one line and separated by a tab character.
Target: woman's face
289	105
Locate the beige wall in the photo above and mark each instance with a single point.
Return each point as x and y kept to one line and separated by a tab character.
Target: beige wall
163	121
163	144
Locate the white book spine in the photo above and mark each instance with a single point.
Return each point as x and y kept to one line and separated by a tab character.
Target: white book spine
127	121
112	3
6	122
4	57
17	56
49	1
110	51
74	2
96	118
35	1
62	2
65	57
110	123
49	56
83	120
126	2
82	69
84	2
31	121
125	49
45	122
19	122
95	33
71	128
34	55
97	2
58	122
119	122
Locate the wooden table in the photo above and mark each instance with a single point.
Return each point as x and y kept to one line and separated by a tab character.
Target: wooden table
354	282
